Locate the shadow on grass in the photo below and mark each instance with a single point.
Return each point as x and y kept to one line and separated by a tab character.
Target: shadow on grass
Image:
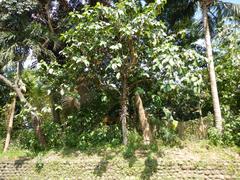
101	167
21	161
100	150
150	168
129	154
135	150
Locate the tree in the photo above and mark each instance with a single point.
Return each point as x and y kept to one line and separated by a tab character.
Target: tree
211	68
15	43
35	118
11	113
214	90
220	10
123	45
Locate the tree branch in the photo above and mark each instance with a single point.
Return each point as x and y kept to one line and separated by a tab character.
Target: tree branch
14	87
35	118
48	17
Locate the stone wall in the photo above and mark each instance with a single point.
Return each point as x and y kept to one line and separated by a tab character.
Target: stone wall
113	168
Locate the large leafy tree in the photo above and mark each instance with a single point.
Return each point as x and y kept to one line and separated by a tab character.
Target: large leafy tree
124	44
33	25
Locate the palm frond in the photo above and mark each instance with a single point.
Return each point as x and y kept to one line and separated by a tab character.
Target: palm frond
229	9
225	9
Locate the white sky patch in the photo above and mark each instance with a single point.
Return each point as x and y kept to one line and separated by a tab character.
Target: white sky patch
200	42
29	60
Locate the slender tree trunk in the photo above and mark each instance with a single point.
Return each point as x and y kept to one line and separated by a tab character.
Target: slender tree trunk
10	124
55	112
214	90
35	119
202	127
135	116
12	109
124	109
180	129
143	119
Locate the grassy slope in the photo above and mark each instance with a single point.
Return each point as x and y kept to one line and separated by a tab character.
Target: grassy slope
121	162
188	150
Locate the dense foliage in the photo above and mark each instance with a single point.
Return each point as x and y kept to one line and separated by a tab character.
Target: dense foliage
78	68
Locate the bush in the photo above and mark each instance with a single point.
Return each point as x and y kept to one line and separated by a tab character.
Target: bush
134	142
230	135
28	140
214	136
53	134
100	136
169	136
70	138
232	131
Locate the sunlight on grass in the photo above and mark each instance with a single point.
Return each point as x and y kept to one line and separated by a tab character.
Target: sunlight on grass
13	152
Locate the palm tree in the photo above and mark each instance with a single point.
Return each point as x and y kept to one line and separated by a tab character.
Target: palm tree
183	10
227	8
211	69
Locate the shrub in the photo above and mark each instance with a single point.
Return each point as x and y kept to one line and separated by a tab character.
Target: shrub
169	136
100	136
214	136
28	140
232	131
134	142
230	135
53	134
70	138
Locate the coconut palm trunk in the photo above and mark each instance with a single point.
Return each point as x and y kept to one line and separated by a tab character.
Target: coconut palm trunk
211	69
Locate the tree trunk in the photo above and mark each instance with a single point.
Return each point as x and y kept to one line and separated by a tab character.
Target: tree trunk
143	119
55	112
214	90
202	126
181	129
35	119
10	124
124	109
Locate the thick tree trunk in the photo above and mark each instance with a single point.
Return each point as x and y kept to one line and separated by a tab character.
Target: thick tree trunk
35	119
214	90
10	124
145	126
124	109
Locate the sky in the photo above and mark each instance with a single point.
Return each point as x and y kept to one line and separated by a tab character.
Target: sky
198	13
233	1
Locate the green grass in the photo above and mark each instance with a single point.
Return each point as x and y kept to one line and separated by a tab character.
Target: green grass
14	152
201	149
